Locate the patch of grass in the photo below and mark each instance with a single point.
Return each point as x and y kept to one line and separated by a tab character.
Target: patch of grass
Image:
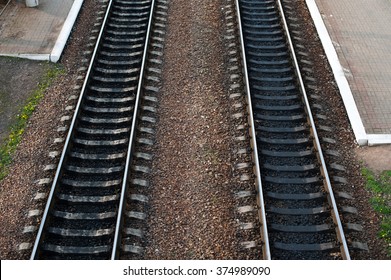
211	155
16	131
385	231
380	186
379	204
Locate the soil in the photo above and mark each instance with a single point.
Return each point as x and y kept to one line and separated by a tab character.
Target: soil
18	79
376	158
205	140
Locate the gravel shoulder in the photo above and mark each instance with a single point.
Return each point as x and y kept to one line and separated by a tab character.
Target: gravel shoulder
192	198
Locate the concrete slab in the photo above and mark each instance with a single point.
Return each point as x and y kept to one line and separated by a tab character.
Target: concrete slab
360	32
38	33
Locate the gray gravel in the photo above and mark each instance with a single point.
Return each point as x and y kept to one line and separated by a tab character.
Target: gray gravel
193	204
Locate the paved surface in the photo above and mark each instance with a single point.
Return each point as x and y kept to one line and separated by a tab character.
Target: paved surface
361	33
32	31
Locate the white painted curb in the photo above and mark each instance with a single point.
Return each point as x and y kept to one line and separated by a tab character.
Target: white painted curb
339	75
65	31
378	139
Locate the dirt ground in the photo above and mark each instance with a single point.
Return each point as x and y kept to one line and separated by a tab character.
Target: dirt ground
376	158
18	79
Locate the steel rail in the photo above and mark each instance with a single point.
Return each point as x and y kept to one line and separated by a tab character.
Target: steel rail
6	5
327	183
117	234
326	180
262	212
68	139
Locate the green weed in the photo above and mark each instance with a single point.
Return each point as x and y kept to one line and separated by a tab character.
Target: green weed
380	186
17	129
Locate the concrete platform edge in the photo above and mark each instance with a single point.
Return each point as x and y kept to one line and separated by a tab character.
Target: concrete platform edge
339	75
62	38
378	139
65	31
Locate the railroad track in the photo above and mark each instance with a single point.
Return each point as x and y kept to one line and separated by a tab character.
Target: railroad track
90	199
298	212
84	213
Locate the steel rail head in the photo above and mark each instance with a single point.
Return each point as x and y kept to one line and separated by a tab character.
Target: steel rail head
66	144
122	201
262	212
327	183
6	5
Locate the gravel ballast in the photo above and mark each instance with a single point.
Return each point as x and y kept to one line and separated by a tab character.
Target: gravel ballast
193	206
